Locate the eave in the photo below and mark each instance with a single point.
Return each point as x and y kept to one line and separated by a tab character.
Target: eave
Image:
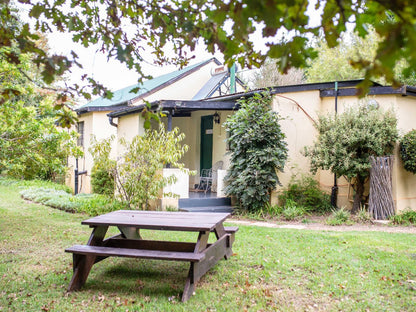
178	108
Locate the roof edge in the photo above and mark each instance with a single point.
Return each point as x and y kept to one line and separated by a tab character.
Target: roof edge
174	105
88	109
177	78
326	90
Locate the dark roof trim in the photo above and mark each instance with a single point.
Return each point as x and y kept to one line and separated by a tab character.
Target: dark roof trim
175	106
372	91
228	102
292	88
177	78
88	109
326	89
197	105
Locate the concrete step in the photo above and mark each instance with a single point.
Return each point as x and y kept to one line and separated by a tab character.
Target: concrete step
228	209
204	202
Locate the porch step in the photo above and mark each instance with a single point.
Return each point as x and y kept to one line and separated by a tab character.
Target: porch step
204	202
228	209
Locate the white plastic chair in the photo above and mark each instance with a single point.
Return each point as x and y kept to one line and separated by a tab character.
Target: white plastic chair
208	177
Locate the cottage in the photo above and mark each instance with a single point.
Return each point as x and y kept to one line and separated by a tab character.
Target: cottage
202	122
194	82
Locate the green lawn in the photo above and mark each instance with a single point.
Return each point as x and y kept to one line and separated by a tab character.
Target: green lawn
272	269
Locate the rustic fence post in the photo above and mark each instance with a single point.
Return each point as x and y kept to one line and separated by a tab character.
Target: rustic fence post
381	204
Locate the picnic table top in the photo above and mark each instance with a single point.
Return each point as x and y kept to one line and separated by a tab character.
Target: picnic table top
160	220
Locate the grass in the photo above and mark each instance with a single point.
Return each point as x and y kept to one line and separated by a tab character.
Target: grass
272	269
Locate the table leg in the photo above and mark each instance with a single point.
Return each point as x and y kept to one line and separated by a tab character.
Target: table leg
97	236
202	241
82	267
190	283
82	264
220	232
213	254
201	245
130	232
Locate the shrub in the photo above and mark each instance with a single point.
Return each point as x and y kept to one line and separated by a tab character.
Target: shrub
272	210
102	176
258	151
339	217
406	217
292	211
138	171
363	216
267	212
347	140
305	192
102	181
31	144
408	151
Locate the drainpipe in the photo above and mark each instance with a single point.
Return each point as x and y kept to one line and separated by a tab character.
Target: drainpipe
110	119
77	174
169	128
169	121
232	79
334	191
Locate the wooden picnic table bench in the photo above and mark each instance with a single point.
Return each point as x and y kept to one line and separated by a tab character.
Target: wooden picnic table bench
129	243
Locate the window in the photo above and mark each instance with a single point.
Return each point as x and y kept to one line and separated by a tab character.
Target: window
80	130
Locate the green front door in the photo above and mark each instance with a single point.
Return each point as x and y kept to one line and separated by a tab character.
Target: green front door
206	142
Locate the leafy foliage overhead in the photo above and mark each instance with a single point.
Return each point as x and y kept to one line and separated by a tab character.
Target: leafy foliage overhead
123	29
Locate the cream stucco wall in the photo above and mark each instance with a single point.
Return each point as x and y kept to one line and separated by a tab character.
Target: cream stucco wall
299	111
94	123
128	127
405	182
299	134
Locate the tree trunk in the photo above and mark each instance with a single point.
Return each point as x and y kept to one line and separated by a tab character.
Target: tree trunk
359	191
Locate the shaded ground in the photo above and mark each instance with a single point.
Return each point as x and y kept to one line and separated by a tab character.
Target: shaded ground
318	223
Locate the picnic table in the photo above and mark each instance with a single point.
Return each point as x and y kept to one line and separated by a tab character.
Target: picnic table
200	254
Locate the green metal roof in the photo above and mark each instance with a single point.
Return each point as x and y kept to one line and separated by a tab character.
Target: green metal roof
124	95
